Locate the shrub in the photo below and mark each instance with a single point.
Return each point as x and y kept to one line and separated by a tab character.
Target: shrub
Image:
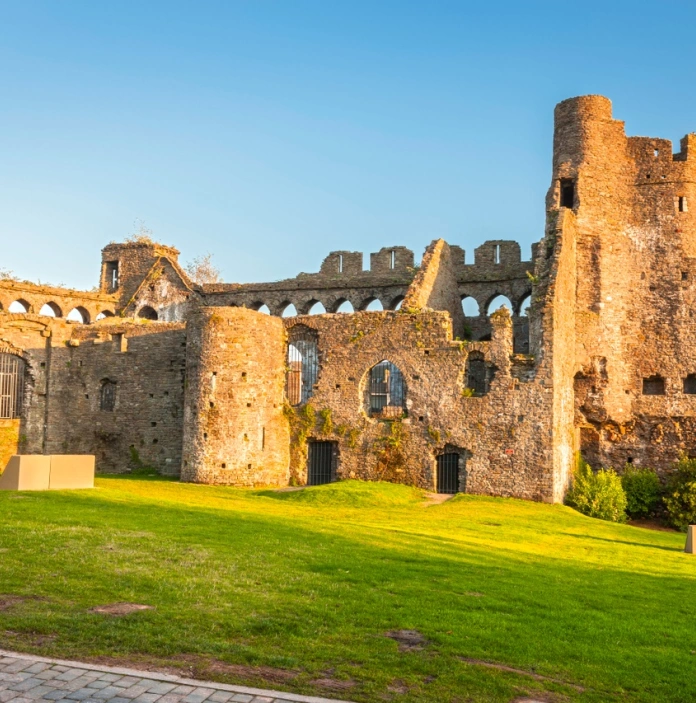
680	498
597	494
642	487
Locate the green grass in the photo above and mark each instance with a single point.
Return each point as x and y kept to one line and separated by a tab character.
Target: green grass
298	588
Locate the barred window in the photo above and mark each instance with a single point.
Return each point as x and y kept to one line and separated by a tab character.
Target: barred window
12	368
303	364
107	396
386	392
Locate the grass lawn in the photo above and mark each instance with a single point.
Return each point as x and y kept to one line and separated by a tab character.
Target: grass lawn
296	590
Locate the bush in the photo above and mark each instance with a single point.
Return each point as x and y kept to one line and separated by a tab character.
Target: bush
642	487
598	494
680	498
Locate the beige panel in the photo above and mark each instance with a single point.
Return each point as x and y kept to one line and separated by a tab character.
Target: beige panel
26	473
72	471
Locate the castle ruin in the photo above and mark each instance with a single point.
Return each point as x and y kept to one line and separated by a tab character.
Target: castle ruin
155	370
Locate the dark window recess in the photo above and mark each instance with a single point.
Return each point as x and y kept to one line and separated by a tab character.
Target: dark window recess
111	275
479	374
682	203
11	385
655	385
320	463
107	396
685	275
386	391
147	313
690	384
303	364
567	192
448	473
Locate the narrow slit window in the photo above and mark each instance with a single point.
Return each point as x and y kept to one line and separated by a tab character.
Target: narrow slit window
682	203
392	259
497	253
690	384
107	396
567	193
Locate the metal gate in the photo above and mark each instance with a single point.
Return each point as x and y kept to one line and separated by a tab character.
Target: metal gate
320	463
448	473
11	385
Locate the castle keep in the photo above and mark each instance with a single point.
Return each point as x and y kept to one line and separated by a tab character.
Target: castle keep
218	384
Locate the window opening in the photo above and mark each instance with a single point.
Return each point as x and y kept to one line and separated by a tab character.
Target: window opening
654	385
107	396
147	313
500	301
19	306
78	314
320	463
479	374
497	253
386	391
470	306
690	384
448	473
12	369
340	263
112	275
392	259
567	192
682	203
303	364
289	311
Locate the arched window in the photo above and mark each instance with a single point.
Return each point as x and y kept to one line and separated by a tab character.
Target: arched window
345	306
498	302
372	305
147	313
317	309
78	314
470	306
104	314
289	311
396	303
478	374
12	369
524	306
107	395
264	310
19	306
50	310
303	364
386	392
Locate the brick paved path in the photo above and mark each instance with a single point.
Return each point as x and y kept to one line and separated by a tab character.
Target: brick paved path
25	678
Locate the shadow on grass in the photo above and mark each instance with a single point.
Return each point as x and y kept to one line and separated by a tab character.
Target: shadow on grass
622	541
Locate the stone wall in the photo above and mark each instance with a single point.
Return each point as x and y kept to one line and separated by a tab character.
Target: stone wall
504	435
235	429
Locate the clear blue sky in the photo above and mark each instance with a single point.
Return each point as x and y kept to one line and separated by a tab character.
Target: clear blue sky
269	133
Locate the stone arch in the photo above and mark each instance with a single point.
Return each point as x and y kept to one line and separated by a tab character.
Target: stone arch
78	314
287	309
104	314
317	309
385	391
147	313
497	301
523	305
19	307
51	309
396	302
343	305
370	304
470	306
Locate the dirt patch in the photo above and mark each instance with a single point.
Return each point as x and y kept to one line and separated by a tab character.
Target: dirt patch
333	684
120	609
471	594
197	667
7	601
398	686
408	640
33	639
436	498
521	672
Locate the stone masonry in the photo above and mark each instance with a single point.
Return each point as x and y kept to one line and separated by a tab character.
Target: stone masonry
154	370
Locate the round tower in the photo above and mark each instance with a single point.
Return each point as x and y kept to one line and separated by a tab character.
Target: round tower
235	432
